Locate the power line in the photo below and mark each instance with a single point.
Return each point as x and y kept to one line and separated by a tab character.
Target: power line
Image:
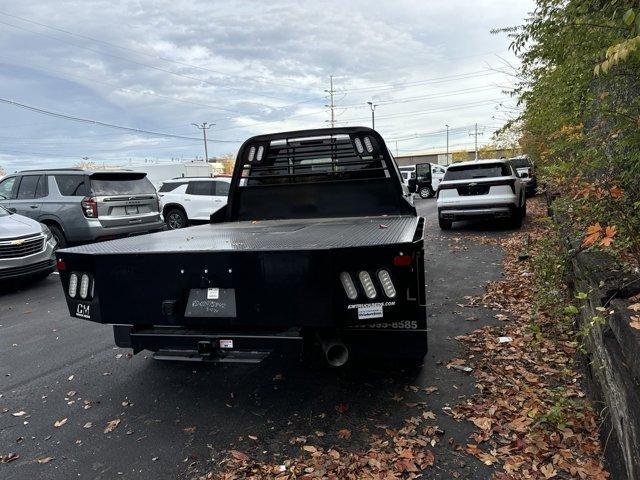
420	112
117	87
105	124
164	70
139	52
459	76
452	93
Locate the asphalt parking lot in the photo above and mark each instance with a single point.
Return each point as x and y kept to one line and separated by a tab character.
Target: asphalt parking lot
178	420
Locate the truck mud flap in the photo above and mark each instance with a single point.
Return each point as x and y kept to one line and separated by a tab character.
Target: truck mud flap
386	343
208	346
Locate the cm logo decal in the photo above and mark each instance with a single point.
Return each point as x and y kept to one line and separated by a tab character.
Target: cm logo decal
83	311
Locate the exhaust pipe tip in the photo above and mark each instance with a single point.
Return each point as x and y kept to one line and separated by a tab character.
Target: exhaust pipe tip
336	353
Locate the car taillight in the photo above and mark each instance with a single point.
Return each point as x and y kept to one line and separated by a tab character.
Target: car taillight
367	284
387	284
73	285
60	265
89	207
84	286
402	260
349	286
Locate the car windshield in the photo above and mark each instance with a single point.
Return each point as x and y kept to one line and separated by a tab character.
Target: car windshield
121	185
520	162
469	172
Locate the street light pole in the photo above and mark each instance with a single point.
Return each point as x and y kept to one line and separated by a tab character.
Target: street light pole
447	144
204	127
373	114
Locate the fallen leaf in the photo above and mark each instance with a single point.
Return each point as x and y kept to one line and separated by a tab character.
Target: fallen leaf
21	413
548	471
344	433
239	455
310	449
44	459
483	423
635	307
9	457
189	430
87	425
112	425
60	423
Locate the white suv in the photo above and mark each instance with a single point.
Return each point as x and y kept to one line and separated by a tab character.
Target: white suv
481	188
188	200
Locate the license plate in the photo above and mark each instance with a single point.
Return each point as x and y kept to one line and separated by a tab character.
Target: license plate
211	302
131	210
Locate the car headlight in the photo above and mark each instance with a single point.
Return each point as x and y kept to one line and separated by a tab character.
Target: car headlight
47	233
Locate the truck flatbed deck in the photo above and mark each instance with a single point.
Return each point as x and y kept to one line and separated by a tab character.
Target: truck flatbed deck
267	235
319	250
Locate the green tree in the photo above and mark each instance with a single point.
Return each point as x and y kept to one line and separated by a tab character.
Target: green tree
579	87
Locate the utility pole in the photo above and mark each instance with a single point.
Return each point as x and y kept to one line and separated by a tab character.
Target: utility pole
447	144
204	127
373	114
331	105
476	141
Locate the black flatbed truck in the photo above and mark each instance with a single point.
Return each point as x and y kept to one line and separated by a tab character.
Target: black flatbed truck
318	249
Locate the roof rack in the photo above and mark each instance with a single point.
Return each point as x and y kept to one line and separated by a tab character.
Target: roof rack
195	176
53	170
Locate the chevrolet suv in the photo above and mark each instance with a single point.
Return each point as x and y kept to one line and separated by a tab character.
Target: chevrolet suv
82	206
481	188
190	200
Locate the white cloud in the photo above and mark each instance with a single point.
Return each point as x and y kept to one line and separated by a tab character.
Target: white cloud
262	67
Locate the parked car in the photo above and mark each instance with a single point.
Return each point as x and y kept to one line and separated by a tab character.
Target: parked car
481	188
26	247
185	201
525	169
426	179
315	252
82	206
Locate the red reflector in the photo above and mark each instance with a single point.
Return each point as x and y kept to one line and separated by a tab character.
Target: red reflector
60	264
402	260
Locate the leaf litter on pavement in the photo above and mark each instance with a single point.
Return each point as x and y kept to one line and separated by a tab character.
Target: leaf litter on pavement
530	416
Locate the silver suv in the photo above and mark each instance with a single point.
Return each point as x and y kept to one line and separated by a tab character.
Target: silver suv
481	188
26	248
82	206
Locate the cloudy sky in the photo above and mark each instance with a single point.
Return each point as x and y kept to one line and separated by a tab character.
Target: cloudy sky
250	67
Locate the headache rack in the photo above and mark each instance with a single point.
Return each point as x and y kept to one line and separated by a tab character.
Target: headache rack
332	172
303	160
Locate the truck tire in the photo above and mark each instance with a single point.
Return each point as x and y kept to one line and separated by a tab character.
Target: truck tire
444	224
425	192
175	218
58	234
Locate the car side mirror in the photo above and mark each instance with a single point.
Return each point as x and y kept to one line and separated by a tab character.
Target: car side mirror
12	210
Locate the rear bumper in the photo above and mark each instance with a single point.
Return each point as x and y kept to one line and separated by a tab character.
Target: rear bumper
96	231
462	213
253	347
